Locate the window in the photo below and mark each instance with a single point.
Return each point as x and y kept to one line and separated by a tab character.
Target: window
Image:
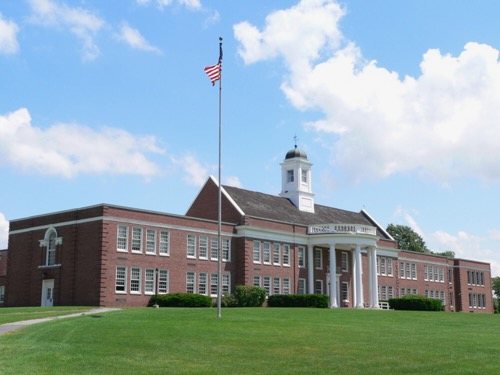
50	242
214	248
382	266
389	266
203	248
257	281
121	279
390	292
267	285
431	273
226	250
289	175
426	272
190	282
441	274
122	238
150	241
202	283
276	254
450	275
2	294
256	251
214	282
276	285
344	261
345	291
286	285
383	292
318	259
301	286
408	270
414	271
164	243
286	255
266	252
135	280
137	240
226	283
162	281
304	176
301	256
318	287
191	246
149	281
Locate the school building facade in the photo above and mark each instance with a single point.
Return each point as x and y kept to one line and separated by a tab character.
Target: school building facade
108	255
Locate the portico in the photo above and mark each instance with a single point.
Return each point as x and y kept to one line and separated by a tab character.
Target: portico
355	238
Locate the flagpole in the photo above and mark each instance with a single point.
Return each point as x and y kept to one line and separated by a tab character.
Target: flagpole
219	227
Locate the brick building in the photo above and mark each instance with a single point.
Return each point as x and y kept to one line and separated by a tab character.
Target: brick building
107	255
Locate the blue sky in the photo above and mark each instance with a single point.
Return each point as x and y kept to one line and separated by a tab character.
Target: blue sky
395	102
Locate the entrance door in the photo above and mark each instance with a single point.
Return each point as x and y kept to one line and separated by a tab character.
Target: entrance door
48	292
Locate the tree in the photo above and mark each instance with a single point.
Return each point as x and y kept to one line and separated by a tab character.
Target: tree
407	238
495	285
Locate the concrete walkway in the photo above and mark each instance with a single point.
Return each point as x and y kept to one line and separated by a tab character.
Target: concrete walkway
9	327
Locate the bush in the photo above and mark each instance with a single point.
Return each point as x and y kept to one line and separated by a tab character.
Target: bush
298	300
229	301
181	300
249	295
415	302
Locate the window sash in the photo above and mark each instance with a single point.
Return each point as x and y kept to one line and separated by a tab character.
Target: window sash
150	241
191	246
164	243
286	255
121	279
149	281
190	282
203	247
122	238
162	281
135	280
137	240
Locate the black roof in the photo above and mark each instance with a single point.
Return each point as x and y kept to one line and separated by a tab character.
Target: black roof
272	207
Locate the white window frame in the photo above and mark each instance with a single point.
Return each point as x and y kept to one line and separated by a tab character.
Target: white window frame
137	240
344	261
226	283
122	238
149	281
164	243
389	267
318	258
203	283
256	253
151	241
301	257
276	254
203	247
191	282
121	280
257	281
276	285
135	280
266	284
163	281
191	245
214	282
318	286
290	176
214	248
226	250
301	286
344	291
286	255
266	252
286	285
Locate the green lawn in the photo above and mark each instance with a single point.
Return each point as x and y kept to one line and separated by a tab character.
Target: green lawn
17	314
257	341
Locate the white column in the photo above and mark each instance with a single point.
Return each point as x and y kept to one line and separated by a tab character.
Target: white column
354	287
373	278
333	277
310	269
358	272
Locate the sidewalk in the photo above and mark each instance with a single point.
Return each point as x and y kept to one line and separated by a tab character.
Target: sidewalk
9	327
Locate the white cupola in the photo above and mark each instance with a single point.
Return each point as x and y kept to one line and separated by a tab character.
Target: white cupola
296	180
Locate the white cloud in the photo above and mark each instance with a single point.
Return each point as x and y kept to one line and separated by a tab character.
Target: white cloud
442	124
4	231
195	172
410	220
67	150
134	39
162	4
8	36
469	246
81	22
232	181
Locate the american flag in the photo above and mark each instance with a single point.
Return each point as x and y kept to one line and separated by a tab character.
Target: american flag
213	72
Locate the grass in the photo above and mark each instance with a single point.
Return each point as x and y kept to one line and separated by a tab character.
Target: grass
17	314
256	341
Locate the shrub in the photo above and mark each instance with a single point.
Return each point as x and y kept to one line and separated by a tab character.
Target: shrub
249	295
181	300
229	301
298	300
415	302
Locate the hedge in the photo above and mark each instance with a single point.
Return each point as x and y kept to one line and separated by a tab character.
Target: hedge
249	295
298	300
415	302
181	300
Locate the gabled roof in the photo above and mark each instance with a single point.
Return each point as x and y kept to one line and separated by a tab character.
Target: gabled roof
276	208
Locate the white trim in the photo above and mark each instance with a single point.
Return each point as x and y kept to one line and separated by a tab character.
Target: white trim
377	224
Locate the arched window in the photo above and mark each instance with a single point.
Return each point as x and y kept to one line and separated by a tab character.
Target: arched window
50	242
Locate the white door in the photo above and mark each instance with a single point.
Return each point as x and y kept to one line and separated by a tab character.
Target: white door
48	292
